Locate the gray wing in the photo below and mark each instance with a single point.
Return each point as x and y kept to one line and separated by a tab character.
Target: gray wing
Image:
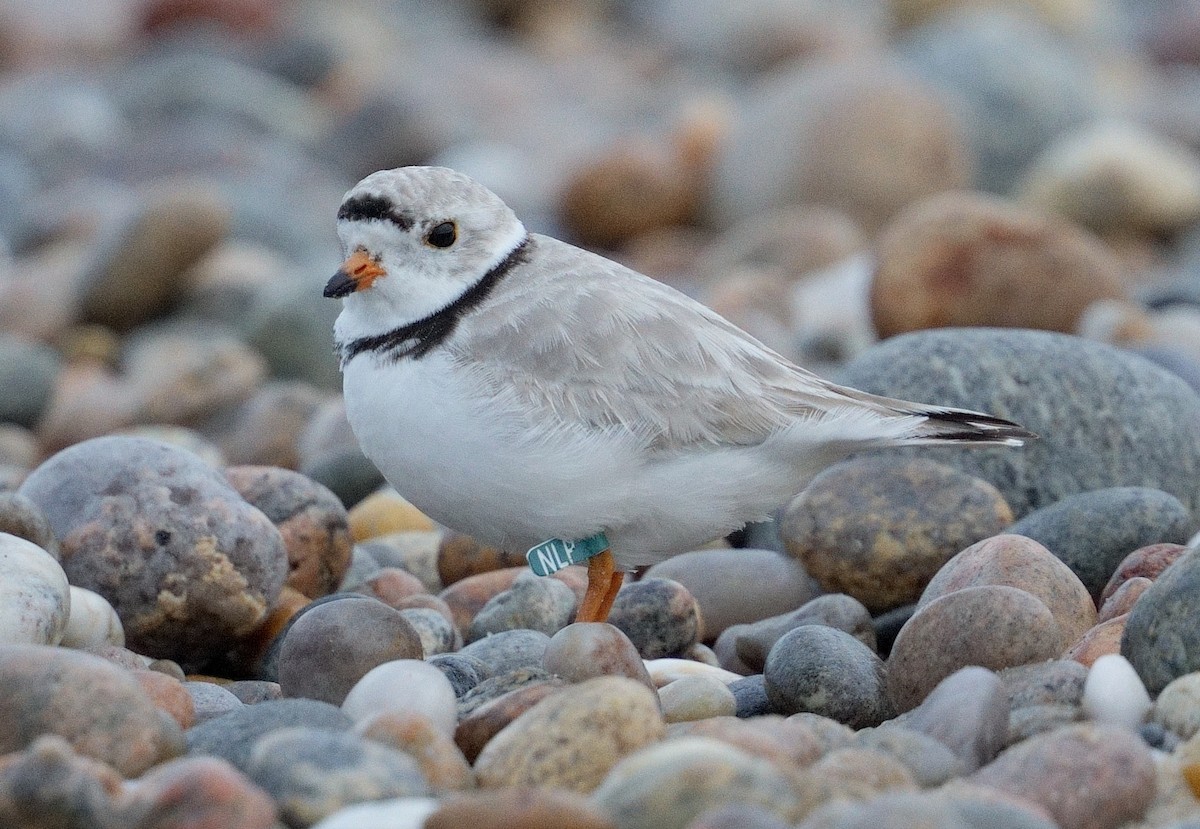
579	341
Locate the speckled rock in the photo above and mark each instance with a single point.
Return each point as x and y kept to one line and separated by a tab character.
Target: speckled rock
92	622
461	556
1123	599
168	694
659	616
1057	682
878	528
1161	639
532	603
198	792
35	599
522	808
750	696
828	672
1178	706
233	736
468	595
48	784
1022	563
856	774
1042	380
572	740
589	649
738	586
666	786
1103	639
142	524
500	685
1093	532
1084	775
1146	562
464	672
968	713
478	724
100	709
427	693
310	518
414	551
312	773
436	632
21	517
835	610
929	760
331	646
441	762
696	698
509	650
992	626
254	691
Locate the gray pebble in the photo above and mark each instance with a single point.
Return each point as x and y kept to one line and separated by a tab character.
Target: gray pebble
825	671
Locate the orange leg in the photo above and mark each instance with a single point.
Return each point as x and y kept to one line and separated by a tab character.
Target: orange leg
604	580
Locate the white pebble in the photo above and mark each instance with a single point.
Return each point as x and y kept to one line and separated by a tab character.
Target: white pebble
1113	693
398	813
667	670
35	599
92	622
406	686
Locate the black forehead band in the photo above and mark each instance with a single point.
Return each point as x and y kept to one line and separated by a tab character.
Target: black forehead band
373	208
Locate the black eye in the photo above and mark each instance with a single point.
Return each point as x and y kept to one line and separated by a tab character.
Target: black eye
443	235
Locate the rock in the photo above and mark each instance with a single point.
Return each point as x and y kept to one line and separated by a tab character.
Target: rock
1084	775
100	709
589	649
310	518
1032	720
92	622
1020	562
1123	599
835	610
524	808
442	764
1093	532
572	740
331	646
1147	562
854	774
463	672
668	785
509	650
1178	706
329	454
468	595
384	513
788	745
311	773
696	698
929	760
738	816
1104	638
427	693
478	724
1160	636
436	632
21	517
501	685
198	792
254	691
825	671
28	374
461	556
967	712
1057	682
264	429
738	586
970	259
35	599
233	736
663	671
1114	694
750	696
531	603
414	551
1042	380
168	694
210	700
390	585
394	813
144	524
659	616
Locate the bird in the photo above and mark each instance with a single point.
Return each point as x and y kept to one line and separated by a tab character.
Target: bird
539	396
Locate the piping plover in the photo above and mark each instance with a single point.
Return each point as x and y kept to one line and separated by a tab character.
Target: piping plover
536	395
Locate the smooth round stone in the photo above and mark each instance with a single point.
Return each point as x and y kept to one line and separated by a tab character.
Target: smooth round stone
725	650
343	468
1057	682
825	671
233	736
28	373
391	585
738	586
210	700
168	694
383	513
311	773
854	774
928	759
896	810
254	691
1114	694
1161	639
788	745
518	809
468	595
571	740
463	672
1093	532
589	649
659	616
666	786
89	400
100	709
1148	418
1022	563
292	334
532	603
21	517
835	610
878	528
992	626
667	670
427	693
500	685
331	646
696	698
1032	720
35	599
144	525
264	429
440	760
478	724
1084	775
82	793
1178	706
750	696
310	518
968	259
414	551
435	631
1147	562
738	816
461	556
1123	599
203	791
968	713
1103	639
510	650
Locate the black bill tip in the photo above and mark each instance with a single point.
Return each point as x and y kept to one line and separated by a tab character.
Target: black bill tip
340	284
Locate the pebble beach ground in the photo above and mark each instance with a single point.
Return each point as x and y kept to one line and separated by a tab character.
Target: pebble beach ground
213	612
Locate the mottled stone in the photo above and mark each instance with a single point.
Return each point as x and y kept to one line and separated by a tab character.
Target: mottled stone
233	736
571	740
856	774
509	650
92	622
48	784
144	525
696	698
825	671
414	551
464	672
1178	706
589	649
169	695
469	594
390	585
23	518
1057	682
1104	638
1093	532
198	792
518	808
436	632
1123	598
750	696
835	610
254	691
878	528
441	762
929	760
1033	720
1147	562
211	700
100	709
532	603
427	693
461	556
968	712
35	599
787	744
659	616
310	518
478	724
501	684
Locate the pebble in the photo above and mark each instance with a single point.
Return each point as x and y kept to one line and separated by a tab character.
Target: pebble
436	632
233	736
1086	775
92	622
1103	639
1032	720
441	762
461	556
391	585
1042	380
1056	682
667	670
738	816
750	696
393	813
35	599
1093	532
696	698
311	773
992	626
468	595
524	808
929	760
100	709
1020	562
788	745
573	739
500	685
198	792
264	428
21	517
739	586
383	513
1178	706
427	693
1161	639
310	518
168	694
1123	599
878	528
666	786
584	650
825	671
532	603
28	372
1147	562
139	520
855	774
82	794
463	672
329	454
835	610
253	691
1114	694
210	700
967	712
659	616
365	633
414	551
510	650
479	723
